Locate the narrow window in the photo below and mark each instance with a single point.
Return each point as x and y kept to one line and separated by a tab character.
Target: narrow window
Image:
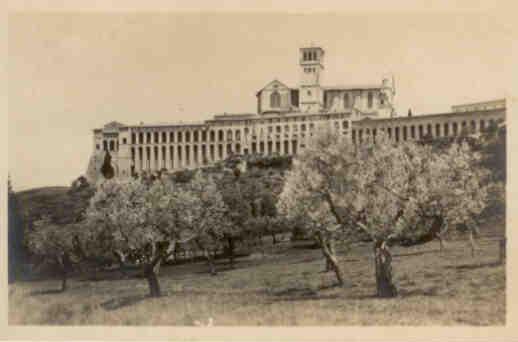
275	100
347	101
369	100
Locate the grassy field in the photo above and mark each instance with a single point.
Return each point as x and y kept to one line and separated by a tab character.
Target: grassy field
284	287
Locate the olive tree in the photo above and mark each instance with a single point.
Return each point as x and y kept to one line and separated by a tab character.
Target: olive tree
238	213
386	190
206	214
132	216
55	244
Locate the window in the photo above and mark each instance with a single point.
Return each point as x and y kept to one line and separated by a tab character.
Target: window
369	100
204	136
187	136
141	138
180	137
133	138
156	137
112	145
148	137
124	141
345	124
347	101
195	136
275	100
171	137
164	137
97	146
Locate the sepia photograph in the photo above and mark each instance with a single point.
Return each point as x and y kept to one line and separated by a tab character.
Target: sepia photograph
222	168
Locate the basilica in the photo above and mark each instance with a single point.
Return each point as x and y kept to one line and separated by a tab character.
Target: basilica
285	121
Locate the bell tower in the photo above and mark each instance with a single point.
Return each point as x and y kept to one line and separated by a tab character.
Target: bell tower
311	61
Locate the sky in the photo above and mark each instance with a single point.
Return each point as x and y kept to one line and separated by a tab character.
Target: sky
71	72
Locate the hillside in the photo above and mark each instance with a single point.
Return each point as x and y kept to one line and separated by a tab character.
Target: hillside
63	204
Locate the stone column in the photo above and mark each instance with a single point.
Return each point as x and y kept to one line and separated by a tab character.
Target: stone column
179	156
200	155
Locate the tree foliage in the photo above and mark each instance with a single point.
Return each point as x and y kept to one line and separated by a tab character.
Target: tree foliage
387	190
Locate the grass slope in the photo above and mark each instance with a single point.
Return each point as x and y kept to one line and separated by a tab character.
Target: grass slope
63	204
285	287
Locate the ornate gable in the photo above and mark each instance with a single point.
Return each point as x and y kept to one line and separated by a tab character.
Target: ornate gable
113	125
274	85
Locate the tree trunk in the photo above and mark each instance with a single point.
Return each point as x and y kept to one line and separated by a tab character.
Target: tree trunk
122	264
331	259
231	251
472	243
63	281
64	266
331	247
383	265
210	260
442	244
152	279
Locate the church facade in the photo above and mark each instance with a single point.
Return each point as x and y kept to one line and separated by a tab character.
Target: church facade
286	120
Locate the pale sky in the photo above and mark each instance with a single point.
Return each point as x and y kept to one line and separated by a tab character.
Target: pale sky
72	72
